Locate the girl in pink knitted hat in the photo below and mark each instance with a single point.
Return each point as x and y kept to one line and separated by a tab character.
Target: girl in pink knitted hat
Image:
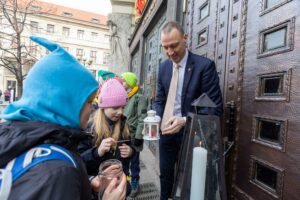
110	130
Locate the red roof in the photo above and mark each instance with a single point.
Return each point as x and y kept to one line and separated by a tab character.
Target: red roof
71	13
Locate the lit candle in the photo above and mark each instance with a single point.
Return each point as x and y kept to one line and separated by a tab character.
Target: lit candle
198	173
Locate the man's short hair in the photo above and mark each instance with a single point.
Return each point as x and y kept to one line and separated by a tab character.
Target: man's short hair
169	26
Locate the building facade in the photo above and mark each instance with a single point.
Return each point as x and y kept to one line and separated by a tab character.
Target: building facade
255	45
83	34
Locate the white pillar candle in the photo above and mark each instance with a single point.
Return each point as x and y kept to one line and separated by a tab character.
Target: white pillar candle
198	173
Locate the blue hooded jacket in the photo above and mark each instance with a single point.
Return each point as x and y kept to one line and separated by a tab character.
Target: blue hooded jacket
55	89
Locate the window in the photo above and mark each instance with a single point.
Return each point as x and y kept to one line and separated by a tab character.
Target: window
11	84
271	3
270	132
35	8
266	176
203	11
80	34
202	37
106	57
93	56
34	26
79	53
274	86
94	20
94	36
67	14
275	39
50	28
106	38
33	50
271	85
65	31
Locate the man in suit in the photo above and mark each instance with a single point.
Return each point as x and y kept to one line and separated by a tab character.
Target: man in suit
195	75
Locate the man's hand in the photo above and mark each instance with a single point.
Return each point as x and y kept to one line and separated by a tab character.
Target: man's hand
173	125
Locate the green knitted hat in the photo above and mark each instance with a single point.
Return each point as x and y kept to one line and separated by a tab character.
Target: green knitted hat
105	74
130	78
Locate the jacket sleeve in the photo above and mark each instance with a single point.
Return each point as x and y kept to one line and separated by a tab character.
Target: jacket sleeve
141	114
160	99
210	86
92	160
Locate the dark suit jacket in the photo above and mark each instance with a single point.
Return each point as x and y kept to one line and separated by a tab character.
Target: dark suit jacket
200	77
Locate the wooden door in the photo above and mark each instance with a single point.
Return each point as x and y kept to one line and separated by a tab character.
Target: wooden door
256	48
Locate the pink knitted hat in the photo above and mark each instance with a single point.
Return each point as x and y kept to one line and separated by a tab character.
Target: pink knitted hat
112	94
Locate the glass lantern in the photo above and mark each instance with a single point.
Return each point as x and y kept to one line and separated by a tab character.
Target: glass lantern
151	126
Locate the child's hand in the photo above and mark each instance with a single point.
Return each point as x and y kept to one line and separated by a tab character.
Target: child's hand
95	183
105	146
116	191
125	151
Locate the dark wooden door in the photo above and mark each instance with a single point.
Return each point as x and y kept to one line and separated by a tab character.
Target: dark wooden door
256	47
268	140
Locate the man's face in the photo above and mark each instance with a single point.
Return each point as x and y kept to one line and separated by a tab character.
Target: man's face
174	44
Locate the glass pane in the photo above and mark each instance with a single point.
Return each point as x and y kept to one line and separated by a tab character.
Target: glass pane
271	86
269	130
275	39
271	3
266	176
146	133
202	38
154	132
203	11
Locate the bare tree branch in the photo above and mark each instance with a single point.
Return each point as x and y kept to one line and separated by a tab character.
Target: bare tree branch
15	55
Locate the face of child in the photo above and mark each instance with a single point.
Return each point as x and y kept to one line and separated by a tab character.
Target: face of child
86	111
125	85
114	114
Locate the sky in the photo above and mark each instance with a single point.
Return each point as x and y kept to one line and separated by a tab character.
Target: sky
96	6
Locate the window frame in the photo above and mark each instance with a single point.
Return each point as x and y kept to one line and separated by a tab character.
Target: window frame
290	27
206	3
106	58
94	36
286	86
265	10
80	34
206	29
79	55
66	30
281	144
277	193
50	28
34	28
93	56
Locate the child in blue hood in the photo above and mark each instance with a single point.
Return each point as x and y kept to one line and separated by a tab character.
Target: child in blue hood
55	106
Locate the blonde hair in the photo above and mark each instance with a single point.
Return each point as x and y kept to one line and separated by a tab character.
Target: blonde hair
101	128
